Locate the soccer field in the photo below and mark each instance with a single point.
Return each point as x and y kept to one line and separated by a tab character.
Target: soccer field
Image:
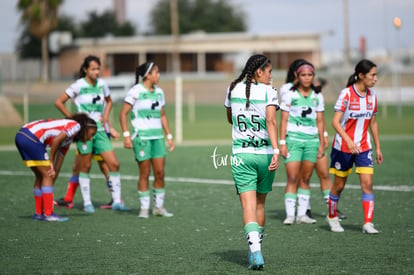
205	236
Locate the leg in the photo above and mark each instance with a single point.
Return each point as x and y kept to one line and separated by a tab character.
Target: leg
367	203
143	187
306	170
158	165
292	170
37	190
73	185
84	182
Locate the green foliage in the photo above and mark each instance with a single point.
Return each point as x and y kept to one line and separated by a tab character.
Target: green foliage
198	15
100	25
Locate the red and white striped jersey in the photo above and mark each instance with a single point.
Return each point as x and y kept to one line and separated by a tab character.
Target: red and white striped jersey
357	113
47	130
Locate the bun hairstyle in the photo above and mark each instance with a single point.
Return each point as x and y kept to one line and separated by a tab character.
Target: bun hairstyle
85	65
257	61
86	123
363	67
143	70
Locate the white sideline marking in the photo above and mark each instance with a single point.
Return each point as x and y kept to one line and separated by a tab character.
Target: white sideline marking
397	188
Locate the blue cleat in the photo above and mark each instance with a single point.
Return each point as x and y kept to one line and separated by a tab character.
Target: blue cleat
250	258
55	218
89	208
119	207
257	261
38	217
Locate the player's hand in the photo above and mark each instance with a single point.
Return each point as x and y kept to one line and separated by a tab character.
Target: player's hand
378	158
114	133
171	145
274	164
128	142
51	172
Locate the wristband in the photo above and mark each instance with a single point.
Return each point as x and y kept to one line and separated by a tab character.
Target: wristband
325	134
276	151
282	142
126	134
169	136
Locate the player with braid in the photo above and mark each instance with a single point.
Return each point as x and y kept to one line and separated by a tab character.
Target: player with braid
251	107
355	112
33	139
92	96
301	141
146	103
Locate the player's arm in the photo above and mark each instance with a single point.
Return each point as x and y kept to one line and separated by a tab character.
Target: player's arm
320	125
164	123
336	124
283	130
373	125
60	105
126	107
271	125
228	115
107	111
55	165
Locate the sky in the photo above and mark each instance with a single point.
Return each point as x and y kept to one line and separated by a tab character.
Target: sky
371	19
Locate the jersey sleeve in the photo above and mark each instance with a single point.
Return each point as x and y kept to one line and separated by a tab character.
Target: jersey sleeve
321	103
343	100
72	129
73	90
227	102
272	97
132	96
162	97
286	100
106	90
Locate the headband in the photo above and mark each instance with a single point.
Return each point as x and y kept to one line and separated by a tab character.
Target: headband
305	66
149	68
264	63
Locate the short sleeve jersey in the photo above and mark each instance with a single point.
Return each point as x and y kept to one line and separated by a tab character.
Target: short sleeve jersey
146	111
249	130
357	113
285	88
89	99
47	130
302	114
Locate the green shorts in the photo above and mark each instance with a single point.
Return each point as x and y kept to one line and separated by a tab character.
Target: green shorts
302	150
250	173
148	148
99	144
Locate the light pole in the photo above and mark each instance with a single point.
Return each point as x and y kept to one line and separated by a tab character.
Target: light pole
397	24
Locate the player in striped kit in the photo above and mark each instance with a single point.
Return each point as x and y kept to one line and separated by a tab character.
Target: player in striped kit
355	112
32	141
92	96
146	103
251	107
301	141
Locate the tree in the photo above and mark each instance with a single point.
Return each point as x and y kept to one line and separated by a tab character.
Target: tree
41	17
194	15
100	25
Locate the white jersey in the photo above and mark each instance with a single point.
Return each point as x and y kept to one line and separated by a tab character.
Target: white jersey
89	99
302	114
146	111
249	125
284	89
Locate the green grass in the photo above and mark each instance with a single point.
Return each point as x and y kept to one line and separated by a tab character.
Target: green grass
206	234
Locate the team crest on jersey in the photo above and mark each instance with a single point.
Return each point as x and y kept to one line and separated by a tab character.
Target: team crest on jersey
369	102
46	156
354	105
337	165
314	102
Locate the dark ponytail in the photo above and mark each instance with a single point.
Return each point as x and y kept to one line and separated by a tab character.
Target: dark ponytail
253	63
86	123
143	69
85	65
363	67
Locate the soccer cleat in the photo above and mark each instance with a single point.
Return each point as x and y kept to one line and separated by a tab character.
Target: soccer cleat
257	261
143	213
289	220
62	202
89	208
55	218
334	224
309	213
38	217
119	207
162	212
305	219
250	258
369	228
340	215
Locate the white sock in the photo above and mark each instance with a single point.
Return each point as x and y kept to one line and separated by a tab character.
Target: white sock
144	199
159	197
303	202
253	239
84	183
290	204
115	179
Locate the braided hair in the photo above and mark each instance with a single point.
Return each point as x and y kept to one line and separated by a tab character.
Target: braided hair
86	62
142	70
86	123
363	67
257	61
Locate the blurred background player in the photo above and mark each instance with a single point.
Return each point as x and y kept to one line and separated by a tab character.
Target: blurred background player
91	95
32	140
251	105
146	103
355	112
